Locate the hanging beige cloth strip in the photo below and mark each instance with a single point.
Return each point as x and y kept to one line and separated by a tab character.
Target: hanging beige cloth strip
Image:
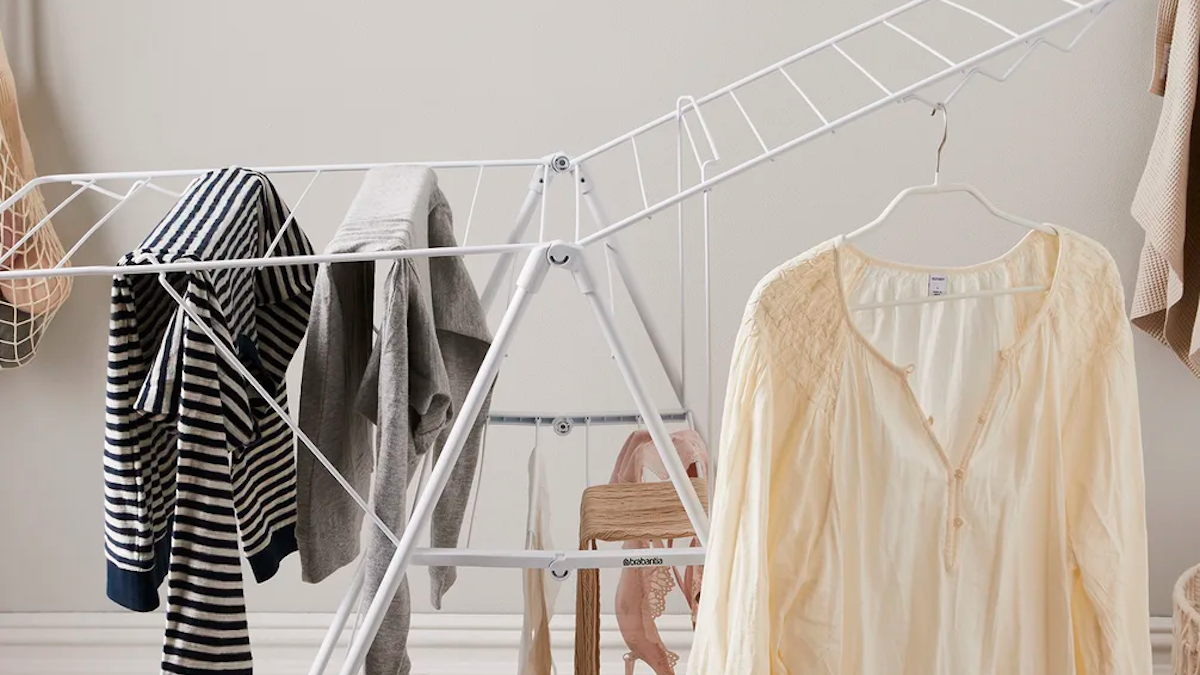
26	305
541	591
1168	197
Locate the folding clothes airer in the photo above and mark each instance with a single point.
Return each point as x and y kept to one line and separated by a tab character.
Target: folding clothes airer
546	254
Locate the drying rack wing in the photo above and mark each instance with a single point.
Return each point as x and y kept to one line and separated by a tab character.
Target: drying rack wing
904	21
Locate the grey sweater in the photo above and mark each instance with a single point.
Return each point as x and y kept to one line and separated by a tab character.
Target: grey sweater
433	336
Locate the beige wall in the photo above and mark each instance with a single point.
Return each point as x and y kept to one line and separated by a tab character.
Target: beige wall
112	86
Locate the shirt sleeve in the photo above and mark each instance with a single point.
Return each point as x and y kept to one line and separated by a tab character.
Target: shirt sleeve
1106	517
135	563
733	623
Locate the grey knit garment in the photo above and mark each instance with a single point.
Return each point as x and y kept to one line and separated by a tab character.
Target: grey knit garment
432	339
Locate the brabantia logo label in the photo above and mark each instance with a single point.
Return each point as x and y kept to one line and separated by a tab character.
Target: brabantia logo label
642	562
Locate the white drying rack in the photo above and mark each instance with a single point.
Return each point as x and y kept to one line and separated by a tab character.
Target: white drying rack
568	255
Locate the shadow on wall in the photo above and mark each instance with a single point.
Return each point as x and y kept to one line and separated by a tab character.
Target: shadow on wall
58	398
28	42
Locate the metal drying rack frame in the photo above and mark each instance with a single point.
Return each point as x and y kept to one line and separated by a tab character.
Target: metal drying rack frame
694	142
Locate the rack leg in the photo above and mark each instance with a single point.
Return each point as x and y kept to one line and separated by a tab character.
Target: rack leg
640	306
339	620
712	441
571	257
528	284
537	185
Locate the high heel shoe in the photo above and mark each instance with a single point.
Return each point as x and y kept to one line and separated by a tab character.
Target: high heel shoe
631	661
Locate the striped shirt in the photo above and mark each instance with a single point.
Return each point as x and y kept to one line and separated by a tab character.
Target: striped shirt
194	460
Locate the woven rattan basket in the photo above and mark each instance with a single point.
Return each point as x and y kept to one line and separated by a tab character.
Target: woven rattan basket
1185	653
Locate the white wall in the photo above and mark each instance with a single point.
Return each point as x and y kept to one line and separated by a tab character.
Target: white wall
108	86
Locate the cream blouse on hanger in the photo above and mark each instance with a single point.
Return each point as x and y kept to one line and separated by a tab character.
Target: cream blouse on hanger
945	489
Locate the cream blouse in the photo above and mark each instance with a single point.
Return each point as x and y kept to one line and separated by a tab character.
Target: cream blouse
951	488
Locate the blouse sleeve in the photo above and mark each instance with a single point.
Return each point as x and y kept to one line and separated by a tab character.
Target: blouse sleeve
732	629
1106	517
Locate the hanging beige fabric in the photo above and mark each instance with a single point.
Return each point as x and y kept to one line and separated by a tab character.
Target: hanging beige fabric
26	305
1167	202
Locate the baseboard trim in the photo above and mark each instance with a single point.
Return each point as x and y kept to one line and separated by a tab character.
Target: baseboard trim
440	644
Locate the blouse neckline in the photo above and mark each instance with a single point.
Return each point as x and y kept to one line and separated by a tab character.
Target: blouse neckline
841	246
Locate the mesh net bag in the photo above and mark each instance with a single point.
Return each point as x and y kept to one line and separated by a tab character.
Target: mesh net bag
26	305
1185	653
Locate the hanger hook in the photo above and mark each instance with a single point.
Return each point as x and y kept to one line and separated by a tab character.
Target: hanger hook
937	167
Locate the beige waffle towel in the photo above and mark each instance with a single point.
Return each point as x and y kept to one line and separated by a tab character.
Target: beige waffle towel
1168	282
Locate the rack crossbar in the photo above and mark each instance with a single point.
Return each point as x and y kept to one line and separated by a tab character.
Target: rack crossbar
560	561
594	419
275	261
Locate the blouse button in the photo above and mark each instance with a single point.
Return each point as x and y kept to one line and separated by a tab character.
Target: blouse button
982	418
959	474
958	522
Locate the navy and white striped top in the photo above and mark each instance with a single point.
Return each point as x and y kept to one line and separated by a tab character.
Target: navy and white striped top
192	455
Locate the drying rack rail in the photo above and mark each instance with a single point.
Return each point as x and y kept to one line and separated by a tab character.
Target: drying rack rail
562	424
698	153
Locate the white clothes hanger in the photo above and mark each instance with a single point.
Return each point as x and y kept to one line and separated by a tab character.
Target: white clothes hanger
937	187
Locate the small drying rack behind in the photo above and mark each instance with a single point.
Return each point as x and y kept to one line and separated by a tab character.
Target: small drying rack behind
697	152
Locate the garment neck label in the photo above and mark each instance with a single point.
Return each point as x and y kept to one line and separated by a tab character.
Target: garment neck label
937	284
